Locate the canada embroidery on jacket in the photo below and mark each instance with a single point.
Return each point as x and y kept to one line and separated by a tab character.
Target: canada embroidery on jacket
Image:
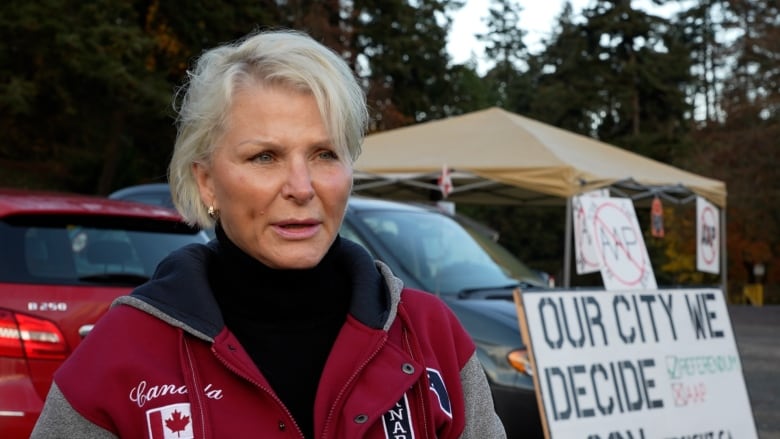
144	393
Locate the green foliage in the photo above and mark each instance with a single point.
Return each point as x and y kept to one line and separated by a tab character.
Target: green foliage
470	92
619	76
567	85
505	46
402	54
84	84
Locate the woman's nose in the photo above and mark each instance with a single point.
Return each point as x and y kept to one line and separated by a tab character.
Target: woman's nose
298	185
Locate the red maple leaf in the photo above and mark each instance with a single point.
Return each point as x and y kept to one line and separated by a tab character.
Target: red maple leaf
177	423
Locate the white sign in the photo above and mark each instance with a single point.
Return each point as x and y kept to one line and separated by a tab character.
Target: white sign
586	257
707	236
620	247
660	364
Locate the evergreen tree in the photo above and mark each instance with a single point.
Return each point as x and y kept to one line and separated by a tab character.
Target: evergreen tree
78	84
753	93
620	76
470	92
403	59
504	46
742	147
567	83
699	27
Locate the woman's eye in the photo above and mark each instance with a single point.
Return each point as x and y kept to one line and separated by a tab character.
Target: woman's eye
328	155
263	157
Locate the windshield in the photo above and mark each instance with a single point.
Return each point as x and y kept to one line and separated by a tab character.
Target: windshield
436	250
515	267
73	252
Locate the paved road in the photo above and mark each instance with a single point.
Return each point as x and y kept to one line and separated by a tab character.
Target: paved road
757	330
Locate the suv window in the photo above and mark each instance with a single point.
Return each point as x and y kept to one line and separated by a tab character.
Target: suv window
437	251
86	250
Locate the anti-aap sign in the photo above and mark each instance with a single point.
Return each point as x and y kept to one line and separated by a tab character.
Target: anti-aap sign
615	242
707	236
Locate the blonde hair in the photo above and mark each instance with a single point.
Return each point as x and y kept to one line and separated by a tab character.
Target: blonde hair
277	58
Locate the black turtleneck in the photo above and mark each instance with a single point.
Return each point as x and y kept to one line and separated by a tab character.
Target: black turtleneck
287	320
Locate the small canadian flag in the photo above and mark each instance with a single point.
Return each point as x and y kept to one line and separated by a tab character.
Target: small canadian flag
657	218
445	182
170	422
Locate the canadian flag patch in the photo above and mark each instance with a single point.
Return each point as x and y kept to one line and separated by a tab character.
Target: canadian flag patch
170	422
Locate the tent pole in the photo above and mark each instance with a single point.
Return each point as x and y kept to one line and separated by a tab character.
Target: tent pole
723	257
567	245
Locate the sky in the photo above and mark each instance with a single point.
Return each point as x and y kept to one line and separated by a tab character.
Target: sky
536	18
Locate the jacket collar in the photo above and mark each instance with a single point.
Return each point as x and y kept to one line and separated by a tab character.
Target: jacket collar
180	293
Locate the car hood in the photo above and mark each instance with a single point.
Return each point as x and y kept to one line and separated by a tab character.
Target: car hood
489	321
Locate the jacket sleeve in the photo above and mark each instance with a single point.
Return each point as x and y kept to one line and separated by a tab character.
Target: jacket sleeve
482	422
59	420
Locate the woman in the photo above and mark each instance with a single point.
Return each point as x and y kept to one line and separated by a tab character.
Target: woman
278	327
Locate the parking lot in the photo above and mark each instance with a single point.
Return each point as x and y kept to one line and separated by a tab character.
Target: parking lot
757	330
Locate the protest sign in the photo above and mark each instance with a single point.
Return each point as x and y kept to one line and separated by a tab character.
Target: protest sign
586	257
660	364
619	246
707	236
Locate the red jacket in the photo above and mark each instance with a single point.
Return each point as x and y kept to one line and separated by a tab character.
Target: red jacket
161	364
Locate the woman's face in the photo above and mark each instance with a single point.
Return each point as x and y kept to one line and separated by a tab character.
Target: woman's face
279	185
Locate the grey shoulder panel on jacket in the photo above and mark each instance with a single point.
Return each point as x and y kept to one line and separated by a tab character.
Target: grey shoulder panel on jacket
59	420
394	287
482	422
150	309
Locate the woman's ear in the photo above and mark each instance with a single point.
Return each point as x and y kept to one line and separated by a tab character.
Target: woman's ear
202	174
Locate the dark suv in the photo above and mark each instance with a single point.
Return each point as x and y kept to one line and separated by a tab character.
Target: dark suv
453	257
433	251
63	260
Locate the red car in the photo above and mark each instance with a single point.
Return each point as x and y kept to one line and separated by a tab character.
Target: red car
63	260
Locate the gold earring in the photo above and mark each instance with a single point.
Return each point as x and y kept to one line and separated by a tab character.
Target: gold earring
212	212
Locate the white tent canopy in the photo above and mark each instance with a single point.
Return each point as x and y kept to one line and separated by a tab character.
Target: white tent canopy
498	157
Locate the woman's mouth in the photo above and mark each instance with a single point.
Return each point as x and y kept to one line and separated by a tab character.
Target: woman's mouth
297	230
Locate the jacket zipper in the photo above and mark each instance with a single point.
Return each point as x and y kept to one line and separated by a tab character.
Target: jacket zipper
261	387
351	379
195	386
418	387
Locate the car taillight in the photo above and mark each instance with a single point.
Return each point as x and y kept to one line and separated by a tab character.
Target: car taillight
519	360
26	336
